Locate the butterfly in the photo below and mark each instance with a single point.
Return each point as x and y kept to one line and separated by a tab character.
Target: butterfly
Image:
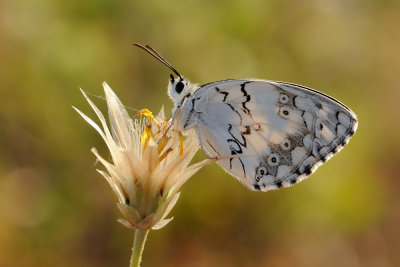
266	134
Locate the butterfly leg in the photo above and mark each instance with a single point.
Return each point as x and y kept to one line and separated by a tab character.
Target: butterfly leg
186	116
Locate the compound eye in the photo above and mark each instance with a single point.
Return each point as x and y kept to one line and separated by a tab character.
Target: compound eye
179	87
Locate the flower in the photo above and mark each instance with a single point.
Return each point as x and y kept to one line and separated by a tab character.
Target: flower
150	159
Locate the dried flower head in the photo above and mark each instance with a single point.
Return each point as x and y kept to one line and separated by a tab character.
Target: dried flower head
150	159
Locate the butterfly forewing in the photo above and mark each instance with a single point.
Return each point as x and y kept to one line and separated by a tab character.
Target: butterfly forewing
269	134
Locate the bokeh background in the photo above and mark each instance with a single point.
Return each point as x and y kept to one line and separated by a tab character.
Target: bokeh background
56	210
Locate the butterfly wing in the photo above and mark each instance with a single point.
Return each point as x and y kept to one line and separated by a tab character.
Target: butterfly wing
269	134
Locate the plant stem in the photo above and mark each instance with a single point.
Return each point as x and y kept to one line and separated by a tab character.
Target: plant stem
138	245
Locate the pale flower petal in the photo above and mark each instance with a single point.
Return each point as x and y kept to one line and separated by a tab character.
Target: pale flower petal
115	186
189	172
130	213
160	116
121	124
164	210
126	224
147	222
162	223
92	123
108	138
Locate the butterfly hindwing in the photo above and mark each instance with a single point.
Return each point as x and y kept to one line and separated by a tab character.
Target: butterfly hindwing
269	134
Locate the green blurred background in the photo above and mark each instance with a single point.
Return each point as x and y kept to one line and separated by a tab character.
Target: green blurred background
56	210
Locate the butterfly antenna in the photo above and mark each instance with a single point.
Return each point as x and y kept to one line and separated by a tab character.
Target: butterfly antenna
157	56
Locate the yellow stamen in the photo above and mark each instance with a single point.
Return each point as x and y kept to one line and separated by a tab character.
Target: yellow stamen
147	113
181	144
146	136
162	143
165	154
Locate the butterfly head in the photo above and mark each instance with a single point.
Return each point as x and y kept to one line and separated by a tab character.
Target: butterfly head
179	88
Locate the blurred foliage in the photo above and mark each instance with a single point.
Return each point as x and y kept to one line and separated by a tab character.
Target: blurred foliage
55	210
